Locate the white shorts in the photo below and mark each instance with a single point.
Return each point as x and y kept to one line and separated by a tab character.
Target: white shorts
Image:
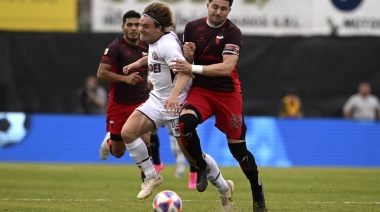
154	109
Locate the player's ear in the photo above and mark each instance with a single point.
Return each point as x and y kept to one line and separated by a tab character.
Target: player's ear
159	28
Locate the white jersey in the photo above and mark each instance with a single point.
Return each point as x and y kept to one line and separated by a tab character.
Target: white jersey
160	55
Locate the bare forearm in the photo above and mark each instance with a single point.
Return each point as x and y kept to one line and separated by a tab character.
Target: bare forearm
143	61
108	76
217	70
189	58
180	84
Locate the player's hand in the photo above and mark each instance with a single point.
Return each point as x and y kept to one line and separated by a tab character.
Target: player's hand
181	66
130	67
188	49
133	78
172	105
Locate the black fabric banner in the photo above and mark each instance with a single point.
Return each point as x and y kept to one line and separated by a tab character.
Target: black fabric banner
42	72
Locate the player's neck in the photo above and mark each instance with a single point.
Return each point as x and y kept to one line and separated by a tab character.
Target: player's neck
213	25
158	37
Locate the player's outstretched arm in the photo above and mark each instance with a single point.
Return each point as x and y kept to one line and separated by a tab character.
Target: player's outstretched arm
224	68
105	74
135	65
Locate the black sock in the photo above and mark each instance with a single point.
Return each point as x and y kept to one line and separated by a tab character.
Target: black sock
155	146
247	163
193	168
194	148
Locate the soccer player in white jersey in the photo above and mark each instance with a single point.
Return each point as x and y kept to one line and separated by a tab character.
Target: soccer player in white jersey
169	90
165	100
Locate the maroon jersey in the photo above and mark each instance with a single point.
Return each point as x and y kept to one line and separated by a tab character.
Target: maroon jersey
211	43
119	54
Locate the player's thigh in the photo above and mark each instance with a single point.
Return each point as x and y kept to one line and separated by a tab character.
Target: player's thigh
229	117
136	125
117	114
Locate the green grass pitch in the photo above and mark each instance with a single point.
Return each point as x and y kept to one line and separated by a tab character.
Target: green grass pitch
90	187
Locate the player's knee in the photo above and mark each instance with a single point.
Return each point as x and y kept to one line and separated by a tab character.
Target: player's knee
127	137
118	147
187	125
243	156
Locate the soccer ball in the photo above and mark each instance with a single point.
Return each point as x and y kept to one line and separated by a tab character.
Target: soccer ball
167	201
13	127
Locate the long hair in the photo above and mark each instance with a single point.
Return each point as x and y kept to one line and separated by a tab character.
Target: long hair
161	15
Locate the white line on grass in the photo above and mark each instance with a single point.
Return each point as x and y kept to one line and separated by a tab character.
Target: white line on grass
125	200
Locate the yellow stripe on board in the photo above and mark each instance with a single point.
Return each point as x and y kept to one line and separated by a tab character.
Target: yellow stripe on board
38	15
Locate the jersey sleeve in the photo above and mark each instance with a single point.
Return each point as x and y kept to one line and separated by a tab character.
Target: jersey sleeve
172	51
110	53
234	42
186	33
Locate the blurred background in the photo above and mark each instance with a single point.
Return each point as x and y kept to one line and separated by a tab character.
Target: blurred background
317	50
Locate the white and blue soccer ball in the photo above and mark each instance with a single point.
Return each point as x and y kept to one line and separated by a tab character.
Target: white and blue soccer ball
13	127
167	201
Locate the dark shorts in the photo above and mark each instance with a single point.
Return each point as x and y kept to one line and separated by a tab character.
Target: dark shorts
227	108
117	114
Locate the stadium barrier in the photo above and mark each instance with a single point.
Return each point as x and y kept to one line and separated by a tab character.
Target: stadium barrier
48	138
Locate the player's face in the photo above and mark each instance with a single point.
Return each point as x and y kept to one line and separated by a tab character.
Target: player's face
130	29
148	32
218	11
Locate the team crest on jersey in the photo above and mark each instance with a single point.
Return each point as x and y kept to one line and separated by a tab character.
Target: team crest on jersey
154	55
218	38
106	51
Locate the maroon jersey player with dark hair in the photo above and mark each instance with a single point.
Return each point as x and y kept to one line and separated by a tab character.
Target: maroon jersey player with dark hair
127	91
212	45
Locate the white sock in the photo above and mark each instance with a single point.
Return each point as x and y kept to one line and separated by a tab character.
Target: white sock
181	166
139	153
214	175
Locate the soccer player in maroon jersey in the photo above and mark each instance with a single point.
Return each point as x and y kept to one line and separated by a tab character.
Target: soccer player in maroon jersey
127	91
212	44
